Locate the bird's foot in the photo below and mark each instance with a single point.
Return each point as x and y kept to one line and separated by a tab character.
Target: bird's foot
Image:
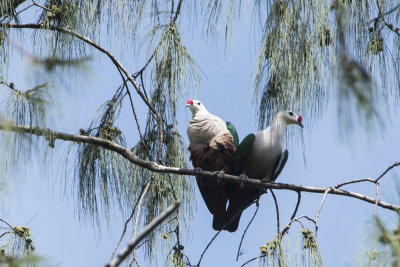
242	178
265	180
220	174
197	170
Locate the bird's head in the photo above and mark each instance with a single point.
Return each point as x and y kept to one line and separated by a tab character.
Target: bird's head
291	118
195	106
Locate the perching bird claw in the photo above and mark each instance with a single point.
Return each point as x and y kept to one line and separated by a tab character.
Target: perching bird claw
220	174
197	170
242	178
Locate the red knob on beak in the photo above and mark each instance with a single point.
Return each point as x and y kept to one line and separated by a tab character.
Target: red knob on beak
190	102
299	119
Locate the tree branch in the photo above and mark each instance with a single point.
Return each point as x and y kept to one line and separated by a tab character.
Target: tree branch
142	193
245	230
297	205
208	245
278	224
319	210
284	231
153	166
146	230
10	7
396	164
139	208
104	51
383	15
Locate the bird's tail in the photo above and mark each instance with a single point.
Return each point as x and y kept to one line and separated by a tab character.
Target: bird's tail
218	223
230	224
233	222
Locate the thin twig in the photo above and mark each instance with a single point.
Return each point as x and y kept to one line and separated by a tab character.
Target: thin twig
43	7
319	210
128	92
374	221
155	230
146	230
297	205
245	230
5	233
19	12
208	245
387	13
144	190
396	164
301	217
134	259
298	220
354	182
177	12
287	227
177	232
253	259
277	211
146	146
9	225
294	213
139	208
390	26
11	86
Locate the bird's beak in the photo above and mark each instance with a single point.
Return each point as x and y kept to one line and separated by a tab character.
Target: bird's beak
299	120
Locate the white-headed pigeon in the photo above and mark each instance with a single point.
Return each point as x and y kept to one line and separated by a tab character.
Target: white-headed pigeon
212	146
259	156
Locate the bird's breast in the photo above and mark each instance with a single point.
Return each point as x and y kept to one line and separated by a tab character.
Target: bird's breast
203	130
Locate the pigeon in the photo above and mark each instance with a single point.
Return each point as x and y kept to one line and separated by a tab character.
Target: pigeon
212	147
259	156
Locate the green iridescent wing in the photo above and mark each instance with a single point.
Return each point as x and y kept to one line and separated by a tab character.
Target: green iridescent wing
233	132
241	154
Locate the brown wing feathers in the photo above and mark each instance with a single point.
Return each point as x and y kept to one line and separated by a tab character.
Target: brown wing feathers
216	156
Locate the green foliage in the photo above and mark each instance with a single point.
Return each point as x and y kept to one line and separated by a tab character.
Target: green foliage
178	257
301	58
98	170
290	60
29	107
274	253
174	71
306	47
8	7
387	253
22	242
18	250
32	107
308	250
165	188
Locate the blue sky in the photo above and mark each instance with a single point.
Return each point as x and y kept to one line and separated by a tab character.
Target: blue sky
46	204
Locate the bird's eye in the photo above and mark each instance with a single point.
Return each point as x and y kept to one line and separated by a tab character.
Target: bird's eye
290	113
198	104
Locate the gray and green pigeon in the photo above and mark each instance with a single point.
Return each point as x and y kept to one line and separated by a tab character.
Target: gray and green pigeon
259	156
212	147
